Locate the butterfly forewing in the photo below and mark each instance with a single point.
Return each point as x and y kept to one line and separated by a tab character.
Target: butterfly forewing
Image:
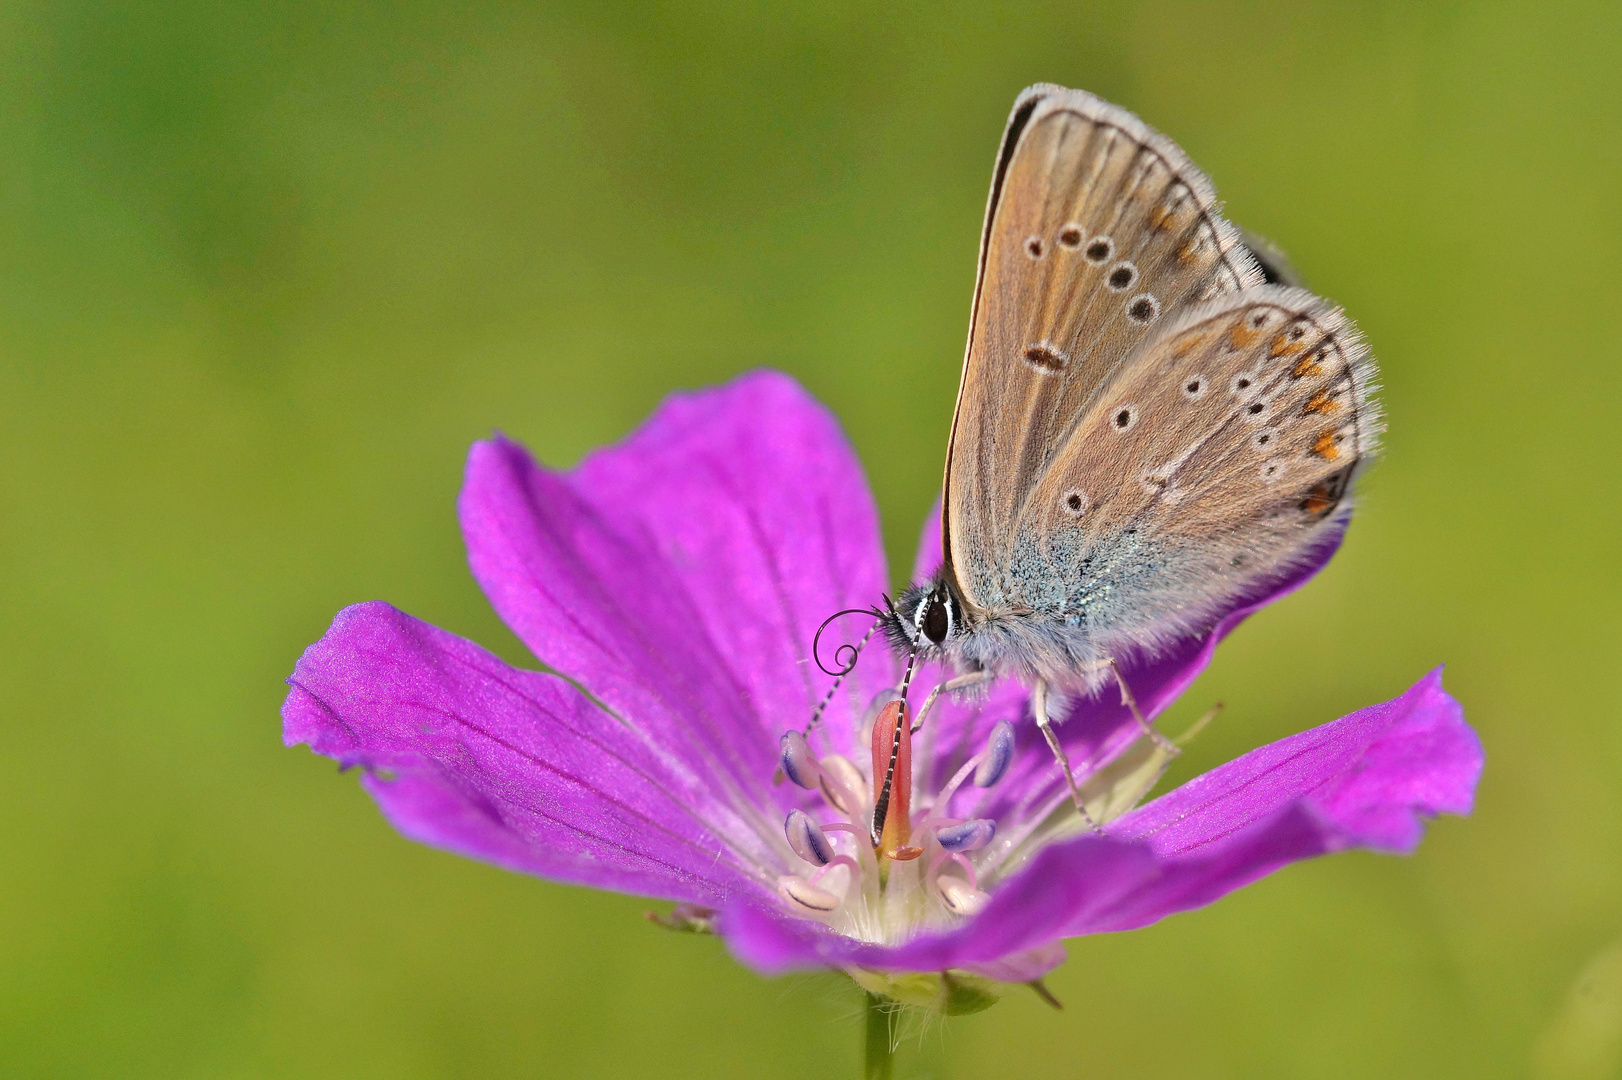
1097	230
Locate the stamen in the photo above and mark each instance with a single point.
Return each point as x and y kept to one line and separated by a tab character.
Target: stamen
999	754
806	895
960	897
807	839
842	784
969	836
836	863
989	766
876	806
797	761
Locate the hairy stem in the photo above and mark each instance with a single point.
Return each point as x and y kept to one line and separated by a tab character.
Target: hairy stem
879	1056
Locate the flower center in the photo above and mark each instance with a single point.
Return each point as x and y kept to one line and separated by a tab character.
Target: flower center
875	868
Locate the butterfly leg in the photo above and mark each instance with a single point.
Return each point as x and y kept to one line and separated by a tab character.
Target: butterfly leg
1199	725
960	682
1039	706
1131	703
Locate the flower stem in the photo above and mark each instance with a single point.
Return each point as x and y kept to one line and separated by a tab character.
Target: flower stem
880	1053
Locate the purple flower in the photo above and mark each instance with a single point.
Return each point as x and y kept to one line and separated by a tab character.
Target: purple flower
674	583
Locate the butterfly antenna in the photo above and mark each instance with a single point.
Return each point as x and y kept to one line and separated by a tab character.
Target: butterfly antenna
906	678
844	658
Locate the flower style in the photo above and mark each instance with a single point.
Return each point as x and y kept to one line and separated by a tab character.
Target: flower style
674	583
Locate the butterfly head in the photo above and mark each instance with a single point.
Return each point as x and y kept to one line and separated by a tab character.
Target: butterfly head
924	619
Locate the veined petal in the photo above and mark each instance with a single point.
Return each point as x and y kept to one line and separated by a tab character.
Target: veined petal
1369	779
516	768
1376	773
680	575
754	495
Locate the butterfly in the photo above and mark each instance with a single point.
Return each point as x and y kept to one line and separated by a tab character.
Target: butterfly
1147	427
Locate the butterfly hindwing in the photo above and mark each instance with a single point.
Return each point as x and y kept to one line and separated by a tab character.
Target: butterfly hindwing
1097	230
1218	452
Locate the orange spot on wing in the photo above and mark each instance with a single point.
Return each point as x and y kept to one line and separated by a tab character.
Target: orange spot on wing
1317	501
1320	403
1307	365
1164	217
1325	446
1283	346
1190	341
1243	336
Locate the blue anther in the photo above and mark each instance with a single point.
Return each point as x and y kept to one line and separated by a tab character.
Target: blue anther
798	762
969	836
999	755
807	839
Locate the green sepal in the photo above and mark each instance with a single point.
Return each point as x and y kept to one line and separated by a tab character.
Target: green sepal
946	993
685	919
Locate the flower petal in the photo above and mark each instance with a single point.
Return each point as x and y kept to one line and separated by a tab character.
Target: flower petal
1368	779
515	768
681	575
1376	773
1019	919
759	502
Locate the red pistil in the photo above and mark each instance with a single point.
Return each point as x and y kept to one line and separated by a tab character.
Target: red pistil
892	784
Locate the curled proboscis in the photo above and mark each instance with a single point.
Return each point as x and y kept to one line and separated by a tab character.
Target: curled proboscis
846	655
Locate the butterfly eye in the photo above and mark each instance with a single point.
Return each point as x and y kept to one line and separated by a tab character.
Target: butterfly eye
936	621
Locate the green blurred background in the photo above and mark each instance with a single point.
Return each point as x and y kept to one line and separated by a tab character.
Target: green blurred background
267	270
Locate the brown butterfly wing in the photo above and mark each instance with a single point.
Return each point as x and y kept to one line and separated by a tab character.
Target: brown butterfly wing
1097	228
1216	454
